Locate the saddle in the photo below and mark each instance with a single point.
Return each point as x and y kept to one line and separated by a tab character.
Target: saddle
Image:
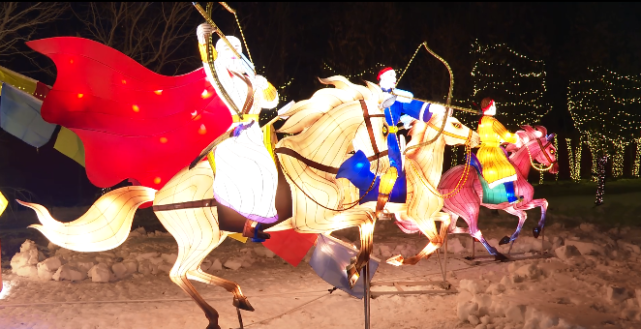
490	196
356	169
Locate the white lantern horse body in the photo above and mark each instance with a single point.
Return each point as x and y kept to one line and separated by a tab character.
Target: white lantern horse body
326	125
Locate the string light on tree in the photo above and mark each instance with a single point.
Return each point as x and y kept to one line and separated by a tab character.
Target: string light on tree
637	157
606	107
516	82
574	159
372	71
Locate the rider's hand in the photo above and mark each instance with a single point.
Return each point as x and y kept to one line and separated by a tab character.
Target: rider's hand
203	31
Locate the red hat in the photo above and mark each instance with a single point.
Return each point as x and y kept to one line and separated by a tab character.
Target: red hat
381	72
488	106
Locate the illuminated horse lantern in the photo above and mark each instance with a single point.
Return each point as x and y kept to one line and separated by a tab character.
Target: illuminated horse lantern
185	203
473	192
423	165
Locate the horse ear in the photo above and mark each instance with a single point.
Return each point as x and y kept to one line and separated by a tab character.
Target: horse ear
529	131
543	130
550	137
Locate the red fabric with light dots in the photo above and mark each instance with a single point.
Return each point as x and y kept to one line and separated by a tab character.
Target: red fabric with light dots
133	122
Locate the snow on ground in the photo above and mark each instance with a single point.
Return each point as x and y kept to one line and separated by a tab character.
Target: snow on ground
590	281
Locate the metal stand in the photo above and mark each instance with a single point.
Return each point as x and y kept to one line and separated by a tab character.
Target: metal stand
240	318
367	296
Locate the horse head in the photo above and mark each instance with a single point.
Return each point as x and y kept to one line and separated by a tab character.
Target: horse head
540	145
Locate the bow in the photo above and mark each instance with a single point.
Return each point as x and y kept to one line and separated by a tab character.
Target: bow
448	109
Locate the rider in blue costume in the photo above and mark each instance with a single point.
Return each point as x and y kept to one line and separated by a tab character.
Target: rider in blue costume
399	107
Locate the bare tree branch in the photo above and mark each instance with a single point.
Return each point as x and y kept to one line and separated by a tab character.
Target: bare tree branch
152	33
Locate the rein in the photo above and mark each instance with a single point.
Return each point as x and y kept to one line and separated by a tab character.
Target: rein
332	170
541	168
466	169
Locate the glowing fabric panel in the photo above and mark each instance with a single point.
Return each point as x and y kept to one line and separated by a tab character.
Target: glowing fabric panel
3	203
329	260
17	80
70	145
290	245
133	122
246	176
20	116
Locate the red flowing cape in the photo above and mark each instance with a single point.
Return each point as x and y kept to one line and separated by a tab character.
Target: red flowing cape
134	123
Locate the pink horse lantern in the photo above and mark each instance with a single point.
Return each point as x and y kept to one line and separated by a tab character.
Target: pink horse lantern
474	191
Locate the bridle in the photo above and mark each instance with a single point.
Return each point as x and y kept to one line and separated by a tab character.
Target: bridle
467	139
542	147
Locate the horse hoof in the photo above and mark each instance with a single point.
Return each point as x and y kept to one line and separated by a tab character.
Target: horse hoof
505	240
352	275
243	304
396	260
469	258
500	257
536	231
213	326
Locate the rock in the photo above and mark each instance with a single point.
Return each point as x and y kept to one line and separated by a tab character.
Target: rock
144	268
633	248
485	319
147	255
50	264
587	248
233	264
484	303
498	308
464	310
120	270
473	319
586	227
132	266
515	313
628	314
44	275
169	258
69	273
455	246
157	260
528	271
19	260
84	266
566	252
473	286
216	265
100	273
495	289
28	271
616	294
384	251
206	264
165	268
140	230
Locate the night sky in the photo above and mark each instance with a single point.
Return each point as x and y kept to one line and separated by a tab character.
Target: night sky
294	40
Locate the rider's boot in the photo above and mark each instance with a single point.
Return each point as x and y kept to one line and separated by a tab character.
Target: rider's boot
254	231
509	191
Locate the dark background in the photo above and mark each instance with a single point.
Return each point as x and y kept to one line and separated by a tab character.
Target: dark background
293	43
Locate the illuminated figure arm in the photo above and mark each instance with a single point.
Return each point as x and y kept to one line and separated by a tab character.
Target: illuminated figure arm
266	94
203	32
411	107
503	133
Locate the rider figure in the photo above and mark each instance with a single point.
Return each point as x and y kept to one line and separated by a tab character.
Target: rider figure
246	177
497	169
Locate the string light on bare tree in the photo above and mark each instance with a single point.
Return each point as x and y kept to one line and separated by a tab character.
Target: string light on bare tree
606	94
637	157
516	82
574	158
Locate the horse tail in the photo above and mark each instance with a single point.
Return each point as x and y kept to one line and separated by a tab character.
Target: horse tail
105	226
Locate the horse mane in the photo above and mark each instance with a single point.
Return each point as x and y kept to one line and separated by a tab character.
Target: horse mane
529	133
304	113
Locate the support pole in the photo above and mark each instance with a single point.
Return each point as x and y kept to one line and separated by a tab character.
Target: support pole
240	318
542	239
367	295
473	248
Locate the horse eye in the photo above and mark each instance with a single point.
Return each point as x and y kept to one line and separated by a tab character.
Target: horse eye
456	125
551	151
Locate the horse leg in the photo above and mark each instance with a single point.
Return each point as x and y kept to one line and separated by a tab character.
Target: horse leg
197	234
427	227
476	233
522	215
367	219
544	209
240	300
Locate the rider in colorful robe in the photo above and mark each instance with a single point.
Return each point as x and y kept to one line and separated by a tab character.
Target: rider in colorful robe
399	108
497	169
246	177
